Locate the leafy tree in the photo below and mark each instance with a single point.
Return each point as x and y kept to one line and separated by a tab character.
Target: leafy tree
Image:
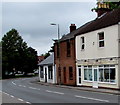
17	56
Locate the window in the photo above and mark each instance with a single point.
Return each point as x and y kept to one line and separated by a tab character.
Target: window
88	73
82	43
107	73
41	72
70	73
101	39
68	49
58	52
50	72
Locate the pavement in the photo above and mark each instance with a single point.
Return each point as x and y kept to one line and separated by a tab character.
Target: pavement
102	90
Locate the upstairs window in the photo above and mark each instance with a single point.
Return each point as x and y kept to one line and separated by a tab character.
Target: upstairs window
101	39
58	52
68	49
82	43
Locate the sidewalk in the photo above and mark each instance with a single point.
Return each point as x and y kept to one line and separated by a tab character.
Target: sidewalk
109	91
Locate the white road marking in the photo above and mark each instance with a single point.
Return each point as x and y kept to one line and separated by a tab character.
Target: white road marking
6	93
54	92
11	96
20	99
28	102
32	88
92	98
13	83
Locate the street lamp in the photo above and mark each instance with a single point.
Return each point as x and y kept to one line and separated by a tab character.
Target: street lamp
58	51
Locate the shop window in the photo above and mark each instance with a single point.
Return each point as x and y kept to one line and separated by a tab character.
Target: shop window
50	72
107	73
88	73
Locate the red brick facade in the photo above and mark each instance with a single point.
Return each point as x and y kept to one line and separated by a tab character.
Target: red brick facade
67	74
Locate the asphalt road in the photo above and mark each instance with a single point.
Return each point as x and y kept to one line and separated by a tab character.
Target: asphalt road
23	91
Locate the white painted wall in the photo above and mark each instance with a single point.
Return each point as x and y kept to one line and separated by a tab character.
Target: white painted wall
93	51
48	80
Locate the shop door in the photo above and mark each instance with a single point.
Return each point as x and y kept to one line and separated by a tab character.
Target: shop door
95	78
79	75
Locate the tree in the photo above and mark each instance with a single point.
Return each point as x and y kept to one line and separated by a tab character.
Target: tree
16	54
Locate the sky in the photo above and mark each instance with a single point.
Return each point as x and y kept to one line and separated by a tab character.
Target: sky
32	20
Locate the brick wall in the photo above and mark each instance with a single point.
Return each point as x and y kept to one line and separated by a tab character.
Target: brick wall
65	62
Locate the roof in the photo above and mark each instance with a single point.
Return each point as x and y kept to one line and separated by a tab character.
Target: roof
108	19
48	61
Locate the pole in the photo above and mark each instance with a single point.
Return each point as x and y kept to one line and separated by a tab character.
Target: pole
59	69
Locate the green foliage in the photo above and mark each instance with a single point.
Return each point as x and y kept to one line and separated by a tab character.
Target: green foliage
112	5
16	55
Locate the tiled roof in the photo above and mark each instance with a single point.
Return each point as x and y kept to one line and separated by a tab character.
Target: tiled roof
48	61
108	19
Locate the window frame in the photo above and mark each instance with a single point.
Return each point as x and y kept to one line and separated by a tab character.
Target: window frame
82	41
101	40
68	47
70	73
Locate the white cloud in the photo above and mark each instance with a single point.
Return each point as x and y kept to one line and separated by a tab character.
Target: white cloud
49	0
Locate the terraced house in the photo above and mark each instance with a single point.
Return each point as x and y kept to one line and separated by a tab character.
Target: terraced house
64	52
98	51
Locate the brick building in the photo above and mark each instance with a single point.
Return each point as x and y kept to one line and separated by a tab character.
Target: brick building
65	58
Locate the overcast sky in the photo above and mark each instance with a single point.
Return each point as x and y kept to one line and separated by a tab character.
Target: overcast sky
32	20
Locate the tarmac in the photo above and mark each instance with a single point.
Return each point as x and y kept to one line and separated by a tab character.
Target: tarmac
101	90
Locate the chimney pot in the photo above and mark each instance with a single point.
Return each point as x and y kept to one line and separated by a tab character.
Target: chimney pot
72	27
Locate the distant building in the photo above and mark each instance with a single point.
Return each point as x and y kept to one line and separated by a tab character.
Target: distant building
47	71
40	58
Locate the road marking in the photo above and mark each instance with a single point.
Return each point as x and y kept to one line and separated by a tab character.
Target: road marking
13	83
54	92
22	85
20	99
11	96
32	88
28	102
6	93
92	98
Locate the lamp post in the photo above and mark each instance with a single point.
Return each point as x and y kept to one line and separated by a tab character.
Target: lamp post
59	70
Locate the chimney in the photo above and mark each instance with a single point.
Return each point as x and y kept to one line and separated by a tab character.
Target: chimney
102	8
72	27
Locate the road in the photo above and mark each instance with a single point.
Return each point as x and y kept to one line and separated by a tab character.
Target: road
23	91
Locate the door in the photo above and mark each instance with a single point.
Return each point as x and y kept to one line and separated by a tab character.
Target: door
45	74
64	74
79	75
95	77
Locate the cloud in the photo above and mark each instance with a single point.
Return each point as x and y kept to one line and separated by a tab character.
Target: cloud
32	20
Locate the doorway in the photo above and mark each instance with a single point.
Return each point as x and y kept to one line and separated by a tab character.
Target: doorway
95	77
45	74
79	75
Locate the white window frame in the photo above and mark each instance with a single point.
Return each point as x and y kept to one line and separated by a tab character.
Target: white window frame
82	43
102	40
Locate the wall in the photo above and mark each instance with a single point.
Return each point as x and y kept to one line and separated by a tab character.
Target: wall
66	62
48	80
119	52
92	51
